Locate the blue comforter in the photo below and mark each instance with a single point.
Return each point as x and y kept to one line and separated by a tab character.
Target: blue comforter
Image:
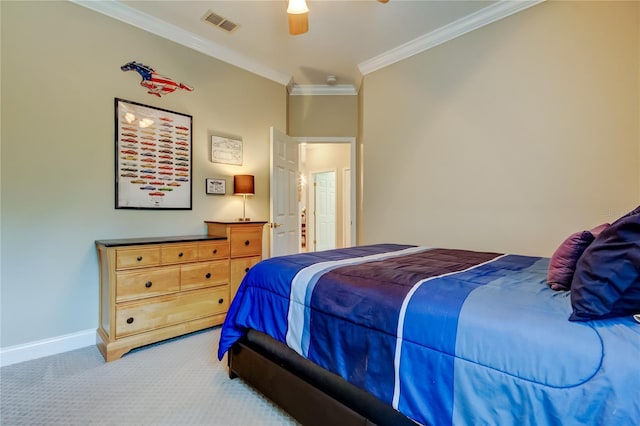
446	336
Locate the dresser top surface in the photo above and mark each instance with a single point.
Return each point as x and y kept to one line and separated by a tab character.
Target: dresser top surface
237	222
158	240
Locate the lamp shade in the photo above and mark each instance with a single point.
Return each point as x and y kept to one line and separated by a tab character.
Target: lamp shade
243	185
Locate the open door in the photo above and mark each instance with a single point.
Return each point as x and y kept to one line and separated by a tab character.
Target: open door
283	204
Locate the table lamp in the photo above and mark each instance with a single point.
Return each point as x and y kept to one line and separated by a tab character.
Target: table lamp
243	185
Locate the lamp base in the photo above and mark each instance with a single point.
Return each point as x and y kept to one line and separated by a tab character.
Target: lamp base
244	219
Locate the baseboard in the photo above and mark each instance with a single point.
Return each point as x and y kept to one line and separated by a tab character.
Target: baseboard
41	348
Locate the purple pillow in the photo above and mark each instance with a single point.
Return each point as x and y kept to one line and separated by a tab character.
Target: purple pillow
606	282
563	261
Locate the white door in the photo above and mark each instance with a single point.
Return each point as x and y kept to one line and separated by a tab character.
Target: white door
324	185
283	209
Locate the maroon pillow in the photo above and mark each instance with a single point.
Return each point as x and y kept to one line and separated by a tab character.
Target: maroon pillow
563	261
598	229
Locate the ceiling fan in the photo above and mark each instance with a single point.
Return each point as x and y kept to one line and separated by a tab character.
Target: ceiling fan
298	13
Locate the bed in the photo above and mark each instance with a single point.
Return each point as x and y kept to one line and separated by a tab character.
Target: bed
398	334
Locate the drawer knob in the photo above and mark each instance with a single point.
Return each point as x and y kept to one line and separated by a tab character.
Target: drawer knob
246	243
220	300
180	254
208	275
130	320
246	270
139	258
215	251
148	284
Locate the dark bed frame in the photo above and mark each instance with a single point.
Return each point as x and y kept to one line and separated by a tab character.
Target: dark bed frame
309	393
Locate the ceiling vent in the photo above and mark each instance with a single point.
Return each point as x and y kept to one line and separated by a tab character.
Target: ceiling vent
220	21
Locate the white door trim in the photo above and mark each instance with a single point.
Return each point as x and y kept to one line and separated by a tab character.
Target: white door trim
352	160
346	208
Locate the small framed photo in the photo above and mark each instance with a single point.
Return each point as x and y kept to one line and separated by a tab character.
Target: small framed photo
216	186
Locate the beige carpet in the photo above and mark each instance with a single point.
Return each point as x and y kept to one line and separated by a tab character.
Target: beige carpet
177	382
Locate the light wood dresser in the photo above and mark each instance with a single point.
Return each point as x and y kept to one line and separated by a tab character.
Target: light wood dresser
245	246
153	289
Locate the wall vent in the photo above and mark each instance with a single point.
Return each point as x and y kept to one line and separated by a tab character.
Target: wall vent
220	21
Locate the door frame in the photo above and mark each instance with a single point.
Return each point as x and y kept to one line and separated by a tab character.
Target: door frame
346	213
352	163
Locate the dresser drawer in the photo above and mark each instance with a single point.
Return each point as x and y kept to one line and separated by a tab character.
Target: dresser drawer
204	274
246	241
179	253
211	251
134	257
140	316
239	268
141	283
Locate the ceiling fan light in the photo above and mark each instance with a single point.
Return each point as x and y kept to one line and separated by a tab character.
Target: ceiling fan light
297	7
298	23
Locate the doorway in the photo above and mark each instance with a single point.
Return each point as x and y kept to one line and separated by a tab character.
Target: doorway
326	195
291	160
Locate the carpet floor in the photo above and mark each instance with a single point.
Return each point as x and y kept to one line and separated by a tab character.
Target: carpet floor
176	382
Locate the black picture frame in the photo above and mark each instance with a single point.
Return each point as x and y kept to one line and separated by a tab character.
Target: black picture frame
153	157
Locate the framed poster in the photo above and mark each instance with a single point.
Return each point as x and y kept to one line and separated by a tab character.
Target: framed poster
216	186
153	157
226	151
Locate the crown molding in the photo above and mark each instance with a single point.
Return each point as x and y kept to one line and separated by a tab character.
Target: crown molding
482	17
129	15
322	89
120	11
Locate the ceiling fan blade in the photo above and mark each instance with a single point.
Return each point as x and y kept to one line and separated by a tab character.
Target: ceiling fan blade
298	23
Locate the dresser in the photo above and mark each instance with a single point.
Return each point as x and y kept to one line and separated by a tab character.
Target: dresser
153	289
245	246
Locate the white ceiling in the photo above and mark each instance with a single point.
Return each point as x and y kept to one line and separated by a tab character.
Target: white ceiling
346	38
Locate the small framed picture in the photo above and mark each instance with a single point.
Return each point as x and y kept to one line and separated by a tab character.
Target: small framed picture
226	150
216	186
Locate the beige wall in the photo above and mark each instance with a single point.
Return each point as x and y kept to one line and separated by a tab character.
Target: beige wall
60	74
323	115
360	166
508	138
